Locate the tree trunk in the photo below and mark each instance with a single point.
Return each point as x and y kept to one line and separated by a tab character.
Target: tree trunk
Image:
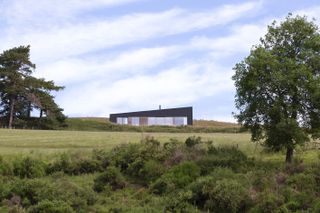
12	103
41	113
29	110
289	155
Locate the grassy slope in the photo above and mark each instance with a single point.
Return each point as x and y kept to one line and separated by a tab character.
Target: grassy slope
103	124
13	141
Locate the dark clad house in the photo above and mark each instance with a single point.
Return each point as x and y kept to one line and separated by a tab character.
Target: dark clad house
169	117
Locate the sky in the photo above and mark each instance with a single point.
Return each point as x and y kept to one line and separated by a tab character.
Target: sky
130	55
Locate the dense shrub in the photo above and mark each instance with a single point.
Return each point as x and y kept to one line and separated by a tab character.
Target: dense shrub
262	180
56	206
226	196
111	177
33	191
151	170
177	177
213	192
123	155
302	182
268	203
5	167
74	165
229	157
178	202
29	168
192	141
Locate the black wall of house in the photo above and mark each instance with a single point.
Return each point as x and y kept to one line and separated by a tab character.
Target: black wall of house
173	112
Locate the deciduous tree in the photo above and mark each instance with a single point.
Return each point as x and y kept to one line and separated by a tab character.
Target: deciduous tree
278	86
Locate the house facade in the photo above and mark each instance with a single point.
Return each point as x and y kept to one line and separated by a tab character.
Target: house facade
165	117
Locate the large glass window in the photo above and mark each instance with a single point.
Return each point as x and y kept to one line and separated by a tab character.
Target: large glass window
122	121
180	121
135	121
168	121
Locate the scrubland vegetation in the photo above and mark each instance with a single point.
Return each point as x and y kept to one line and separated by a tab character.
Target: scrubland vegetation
185	174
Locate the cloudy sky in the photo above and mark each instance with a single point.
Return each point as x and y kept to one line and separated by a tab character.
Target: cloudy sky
130	55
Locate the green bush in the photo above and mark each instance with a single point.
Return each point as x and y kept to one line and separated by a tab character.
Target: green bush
73	166
111	177
302	182
5	167
316	207
199	197
229	157
178	176
192	141
33	191
29	168
55	206
122	156
178	202
267	203
226	196
151	170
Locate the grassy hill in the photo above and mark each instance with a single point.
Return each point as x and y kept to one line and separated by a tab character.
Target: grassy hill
103	124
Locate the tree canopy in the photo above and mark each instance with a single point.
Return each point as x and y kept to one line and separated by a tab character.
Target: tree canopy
20	92
278	85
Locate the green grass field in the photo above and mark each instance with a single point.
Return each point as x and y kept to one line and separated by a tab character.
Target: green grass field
47	143
17	141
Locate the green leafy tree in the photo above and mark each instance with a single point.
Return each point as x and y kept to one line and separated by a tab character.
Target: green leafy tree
15	66
20	92
278	86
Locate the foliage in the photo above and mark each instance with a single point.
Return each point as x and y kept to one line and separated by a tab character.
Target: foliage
28	168
229	157
47	206
111	177
177	177
20	92
74	165
192	141
278	85
142	178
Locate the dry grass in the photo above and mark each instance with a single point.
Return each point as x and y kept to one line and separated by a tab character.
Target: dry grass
216	124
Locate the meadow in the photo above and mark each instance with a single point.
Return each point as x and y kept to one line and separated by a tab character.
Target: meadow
47	143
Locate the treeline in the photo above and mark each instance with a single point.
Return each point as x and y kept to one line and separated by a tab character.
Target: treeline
21	93
194	176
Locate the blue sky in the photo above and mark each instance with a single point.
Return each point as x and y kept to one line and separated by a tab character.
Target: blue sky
129	55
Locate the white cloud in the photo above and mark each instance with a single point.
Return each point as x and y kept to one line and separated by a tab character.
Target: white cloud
87	36
240	40
108	67
38	13
177	86
139	61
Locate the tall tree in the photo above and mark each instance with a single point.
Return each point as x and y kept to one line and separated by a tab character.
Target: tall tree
278	86
20	92
15	66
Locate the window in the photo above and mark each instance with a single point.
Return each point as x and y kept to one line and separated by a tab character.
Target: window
168	121
122	121
135	121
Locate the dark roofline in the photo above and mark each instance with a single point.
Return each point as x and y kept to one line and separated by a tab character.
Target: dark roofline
170	112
